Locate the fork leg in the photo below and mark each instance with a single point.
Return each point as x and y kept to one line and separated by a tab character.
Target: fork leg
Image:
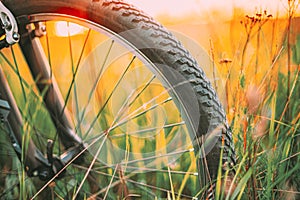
13	125
40	69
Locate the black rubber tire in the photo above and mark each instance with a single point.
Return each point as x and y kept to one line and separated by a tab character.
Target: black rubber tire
165	50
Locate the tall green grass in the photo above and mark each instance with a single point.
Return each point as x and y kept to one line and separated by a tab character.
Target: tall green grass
265	113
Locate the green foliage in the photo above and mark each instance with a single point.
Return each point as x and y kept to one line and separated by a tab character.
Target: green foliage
296	51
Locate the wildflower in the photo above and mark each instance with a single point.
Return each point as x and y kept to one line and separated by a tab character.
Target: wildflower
225	61
254	98
260	128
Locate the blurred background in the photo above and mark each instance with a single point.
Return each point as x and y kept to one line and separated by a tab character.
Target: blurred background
248	40
253	51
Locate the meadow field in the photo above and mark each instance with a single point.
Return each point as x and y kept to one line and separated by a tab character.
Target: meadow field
257	57
253	62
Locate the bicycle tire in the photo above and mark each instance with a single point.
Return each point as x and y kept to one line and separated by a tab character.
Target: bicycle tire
120	17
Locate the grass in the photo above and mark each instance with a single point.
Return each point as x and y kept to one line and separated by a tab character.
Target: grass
262	92
264	114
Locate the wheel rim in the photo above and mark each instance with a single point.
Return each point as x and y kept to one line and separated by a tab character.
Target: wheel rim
127	117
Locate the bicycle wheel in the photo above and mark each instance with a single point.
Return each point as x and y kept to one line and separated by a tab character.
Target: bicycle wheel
151	121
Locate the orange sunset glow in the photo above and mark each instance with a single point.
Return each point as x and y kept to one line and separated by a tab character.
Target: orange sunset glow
221	32
200	7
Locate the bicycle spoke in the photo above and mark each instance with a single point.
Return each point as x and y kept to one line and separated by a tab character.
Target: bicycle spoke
95	140
149	129
98	76
132	116
151	158
159	156
75	71
109	97
110	183
143	89
128	178
138	170
90	167
126	105
73	83
135	115
158	188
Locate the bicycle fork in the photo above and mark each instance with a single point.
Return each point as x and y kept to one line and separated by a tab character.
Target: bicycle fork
36	164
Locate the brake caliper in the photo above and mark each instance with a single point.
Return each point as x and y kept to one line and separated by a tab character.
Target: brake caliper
9	28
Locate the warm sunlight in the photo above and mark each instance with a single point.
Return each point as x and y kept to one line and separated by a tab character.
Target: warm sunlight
65	29
178	8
